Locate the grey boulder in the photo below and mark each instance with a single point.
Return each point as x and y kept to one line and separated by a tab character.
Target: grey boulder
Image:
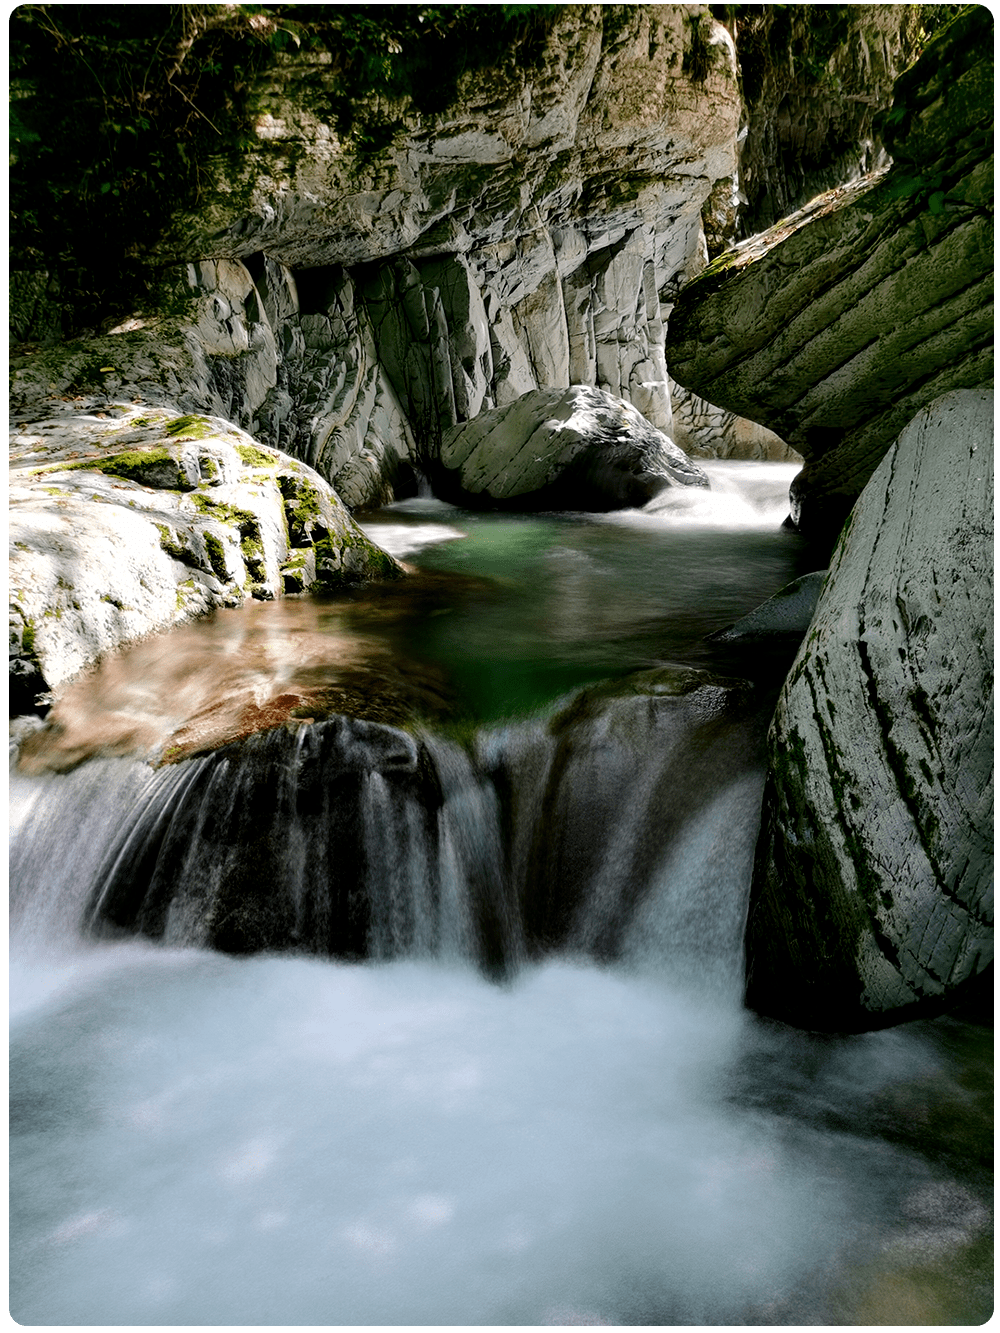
872	891
789	612
130	521
577	448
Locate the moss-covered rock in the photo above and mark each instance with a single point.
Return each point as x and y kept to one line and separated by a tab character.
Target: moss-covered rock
112	543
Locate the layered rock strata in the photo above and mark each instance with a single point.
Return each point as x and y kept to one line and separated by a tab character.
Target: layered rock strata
839	325
350	310
872	892
703	430
814	79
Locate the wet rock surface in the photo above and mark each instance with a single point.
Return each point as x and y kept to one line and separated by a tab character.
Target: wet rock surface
576	448
129	520
872	892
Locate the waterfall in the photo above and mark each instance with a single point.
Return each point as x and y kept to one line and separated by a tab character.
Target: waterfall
355	840
350	1024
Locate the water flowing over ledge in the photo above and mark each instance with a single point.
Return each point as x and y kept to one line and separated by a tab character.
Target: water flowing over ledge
605	1136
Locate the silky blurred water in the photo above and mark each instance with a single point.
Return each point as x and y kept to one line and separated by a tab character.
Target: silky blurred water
199	1140
203	1140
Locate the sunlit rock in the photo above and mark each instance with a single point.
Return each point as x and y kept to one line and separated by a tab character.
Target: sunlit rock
348	309
575	448
284	663
125	523
872	894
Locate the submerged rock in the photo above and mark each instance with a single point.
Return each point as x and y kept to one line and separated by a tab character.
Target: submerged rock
576	448
872	894
284	663
269	845
127	521
603	832
347	839
788	612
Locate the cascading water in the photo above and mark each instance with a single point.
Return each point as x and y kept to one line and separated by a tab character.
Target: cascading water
537	1099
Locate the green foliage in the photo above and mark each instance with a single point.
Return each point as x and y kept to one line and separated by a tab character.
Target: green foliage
387	56
123	115
114	111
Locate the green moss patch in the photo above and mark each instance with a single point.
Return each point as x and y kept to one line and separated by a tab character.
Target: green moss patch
146	467
195	428
254	457
303	510
242	519
171	543
217	557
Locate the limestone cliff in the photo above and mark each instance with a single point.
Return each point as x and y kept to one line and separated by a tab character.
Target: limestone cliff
356	267
840	324
526	236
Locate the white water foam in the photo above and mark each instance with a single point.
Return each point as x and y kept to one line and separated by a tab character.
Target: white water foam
405	538
275	1141
743	495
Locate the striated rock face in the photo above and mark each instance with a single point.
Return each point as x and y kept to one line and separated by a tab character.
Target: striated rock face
128	522
873	886
350	310
814	79
703	430
835	328
522	238
573	448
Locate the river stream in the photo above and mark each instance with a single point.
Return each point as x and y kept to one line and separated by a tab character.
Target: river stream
201	1139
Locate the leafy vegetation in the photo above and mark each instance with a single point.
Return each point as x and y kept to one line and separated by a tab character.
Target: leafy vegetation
123	115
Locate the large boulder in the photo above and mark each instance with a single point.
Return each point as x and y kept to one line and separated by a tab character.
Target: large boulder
836	327
129	521
872	893
576	448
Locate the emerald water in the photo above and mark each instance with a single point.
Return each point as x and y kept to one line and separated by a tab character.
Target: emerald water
282	1139
568	599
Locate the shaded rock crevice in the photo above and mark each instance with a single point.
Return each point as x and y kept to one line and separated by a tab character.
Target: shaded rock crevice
836	327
